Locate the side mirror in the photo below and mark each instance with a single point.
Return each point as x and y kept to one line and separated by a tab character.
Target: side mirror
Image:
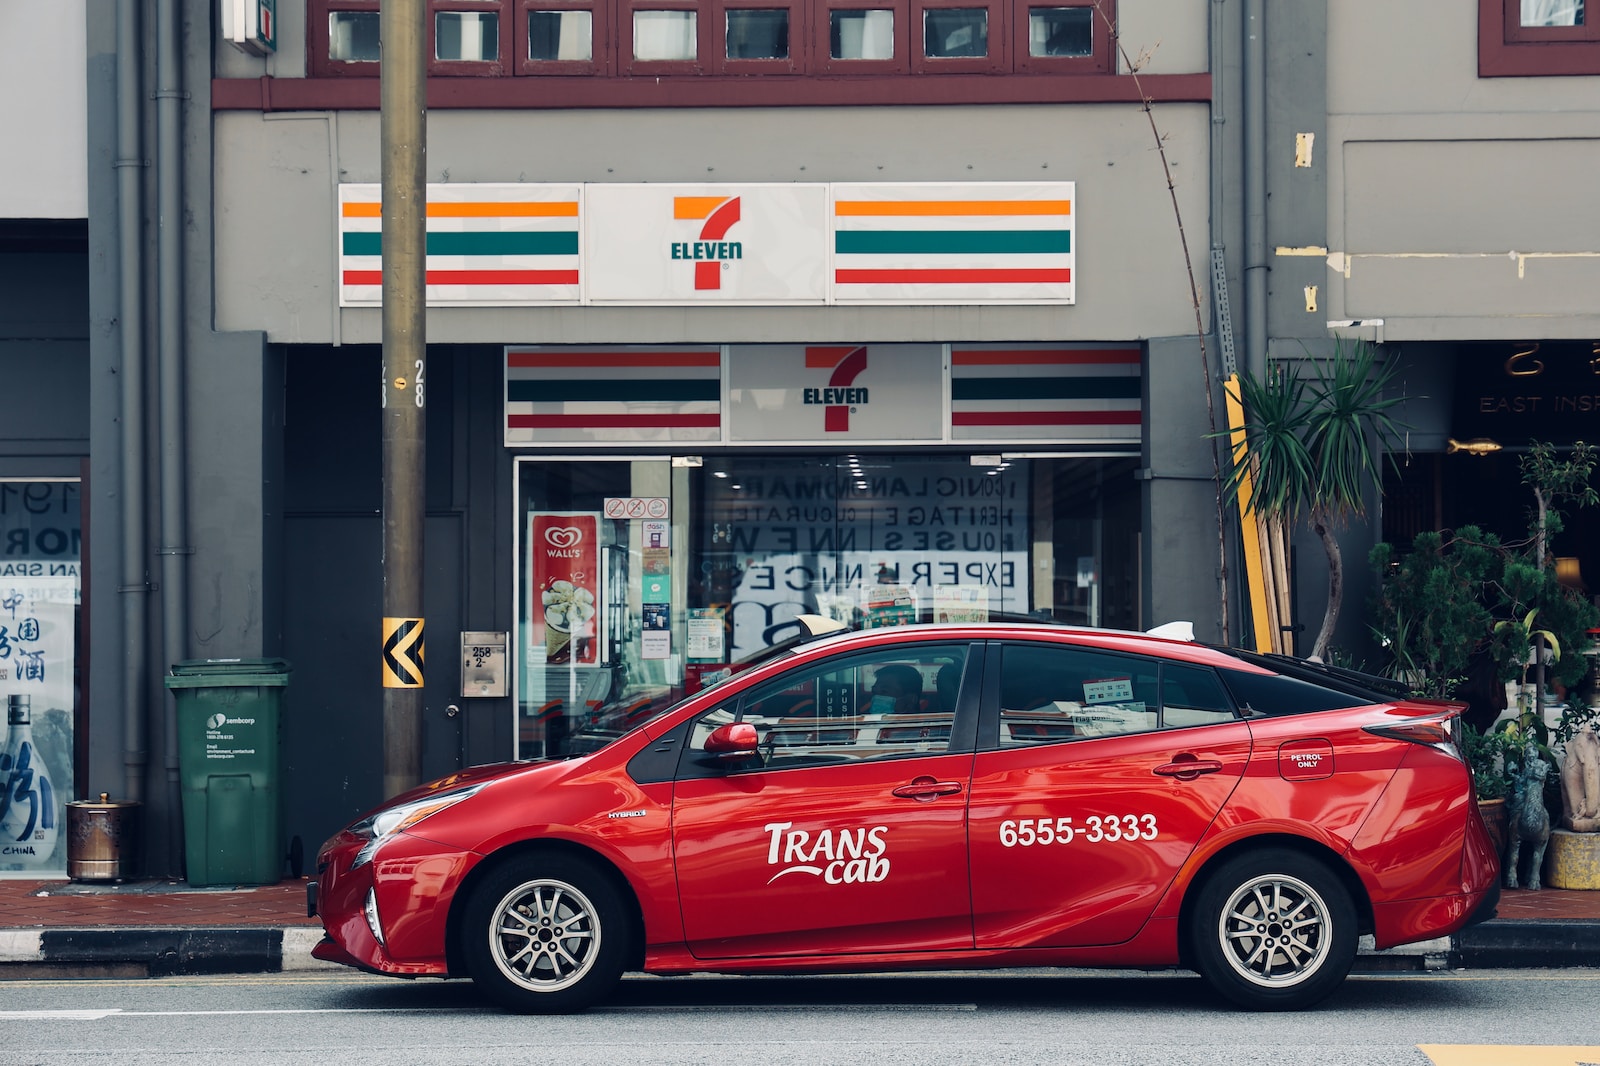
737	740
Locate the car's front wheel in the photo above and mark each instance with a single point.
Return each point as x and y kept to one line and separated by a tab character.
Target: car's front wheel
546	934
1274	930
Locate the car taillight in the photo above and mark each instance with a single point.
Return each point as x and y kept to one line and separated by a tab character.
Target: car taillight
1435	733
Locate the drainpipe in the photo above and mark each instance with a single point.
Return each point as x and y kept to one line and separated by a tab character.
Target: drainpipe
135	584
1255	186
169	271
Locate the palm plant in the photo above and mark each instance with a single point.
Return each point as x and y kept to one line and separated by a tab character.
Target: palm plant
1311	450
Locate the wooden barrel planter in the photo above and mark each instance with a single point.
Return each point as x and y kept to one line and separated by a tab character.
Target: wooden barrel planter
1495	817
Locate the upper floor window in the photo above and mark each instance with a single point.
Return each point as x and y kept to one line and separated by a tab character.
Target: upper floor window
1529	38
655	38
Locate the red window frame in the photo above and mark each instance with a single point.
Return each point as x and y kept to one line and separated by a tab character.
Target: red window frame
611	46
660	67
1098	61
822	19
718	61
601	39
996	59
1508	49
317	40
494	68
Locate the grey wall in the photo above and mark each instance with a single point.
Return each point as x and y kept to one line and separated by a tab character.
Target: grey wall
1437	176
44	362
332	581
1182	561
277	178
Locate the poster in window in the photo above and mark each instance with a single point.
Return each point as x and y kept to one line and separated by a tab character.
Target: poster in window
39	599
564	569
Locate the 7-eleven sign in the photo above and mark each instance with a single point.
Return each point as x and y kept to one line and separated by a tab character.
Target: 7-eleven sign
712	251
839	397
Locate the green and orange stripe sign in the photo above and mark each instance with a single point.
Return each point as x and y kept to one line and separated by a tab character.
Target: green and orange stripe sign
1062	392
613	394
972	243
486	244
844	243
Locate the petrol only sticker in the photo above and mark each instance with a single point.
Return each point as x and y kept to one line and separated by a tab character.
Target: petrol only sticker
853	856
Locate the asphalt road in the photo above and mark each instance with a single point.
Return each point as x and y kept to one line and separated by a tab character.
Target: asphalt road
1481	1018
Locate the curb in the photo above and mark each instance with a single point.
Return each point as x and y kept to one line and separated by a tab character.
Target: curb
166	951
1530	943
169	951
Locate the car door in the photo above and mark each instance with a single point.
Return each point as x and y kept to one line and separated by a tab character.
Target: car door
848	833
1102	772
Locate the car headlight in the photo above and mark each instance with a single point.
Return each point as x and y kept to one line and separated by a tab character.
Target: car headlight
391	820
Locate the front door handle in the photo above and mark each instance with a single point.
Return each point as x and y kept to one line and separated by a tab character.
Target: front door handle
1187	769
926	788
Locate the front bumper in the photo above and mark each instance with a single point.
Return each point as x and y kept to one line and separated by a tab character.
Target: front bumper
412	882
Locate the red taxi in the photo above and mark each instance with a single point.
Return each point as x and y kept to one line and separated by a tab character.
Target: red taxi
954	796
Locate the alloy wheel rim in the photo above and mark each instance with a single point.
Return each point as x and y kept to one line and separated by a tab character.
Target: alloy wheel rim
544	935
1275	931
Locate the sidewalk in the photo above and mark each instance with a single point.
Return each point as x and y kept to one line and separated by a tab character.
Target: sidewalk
162	928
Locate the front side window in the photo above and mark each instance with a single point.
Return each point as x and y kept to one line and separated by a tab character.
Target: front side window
895	702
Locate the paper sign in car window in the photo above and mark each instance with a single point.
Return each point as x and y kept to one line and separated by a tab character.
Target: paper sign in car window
1108	690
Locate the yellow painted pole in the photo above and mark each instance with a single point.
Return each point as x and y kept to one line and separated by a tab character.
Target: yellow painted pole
1249	528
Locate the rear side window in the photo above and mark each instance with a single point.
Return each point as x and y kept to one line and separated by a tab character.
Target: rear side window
1272	695
1192	695
1050	693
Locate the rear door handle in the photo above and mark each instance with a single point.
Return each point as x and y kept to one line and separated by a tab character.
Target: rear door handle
1188	769
926	788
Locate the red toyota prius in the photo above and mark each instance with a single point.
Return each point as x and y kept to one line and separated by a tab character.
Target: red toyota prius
953	796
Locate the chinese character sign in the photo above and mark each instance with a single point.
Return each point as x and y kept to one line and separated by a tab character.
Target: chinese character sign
40	549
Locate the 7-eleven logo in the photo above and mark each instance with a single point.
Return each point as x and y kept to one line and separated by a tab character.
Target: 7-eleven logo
720	213
838	399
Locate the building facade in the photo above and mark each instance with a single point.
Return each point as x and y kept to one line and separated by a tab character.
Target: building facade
739	311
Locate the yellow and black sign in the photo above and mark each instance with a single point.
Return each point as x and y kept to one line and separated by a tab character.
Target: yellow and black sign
402	653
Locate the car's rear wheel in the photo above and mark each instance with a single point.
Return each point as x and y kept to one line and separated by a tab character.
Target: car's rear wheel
1274	930
546	934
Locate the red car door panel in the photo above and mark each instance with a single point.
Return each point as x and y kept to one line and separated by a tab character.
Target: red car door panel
865	856
1123	814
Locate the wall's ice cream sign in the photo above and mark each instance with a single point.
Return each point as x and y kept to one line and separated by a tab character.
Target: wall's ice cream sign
564	570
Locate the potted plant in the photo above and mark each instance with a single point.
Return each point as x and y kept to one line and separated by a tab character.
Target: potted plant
1312	449
1486	757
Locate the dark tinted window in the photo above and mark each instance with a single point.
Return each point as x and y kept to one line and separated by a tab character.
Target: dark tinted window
1270	694
1053	692
1192	695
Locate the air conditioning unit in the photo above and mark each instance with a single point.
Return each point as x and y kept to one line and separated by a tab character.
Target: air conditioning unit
251	25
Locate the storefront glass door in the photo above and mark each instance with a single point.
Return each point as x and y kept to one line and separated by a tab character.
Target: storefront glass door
640	580
596	541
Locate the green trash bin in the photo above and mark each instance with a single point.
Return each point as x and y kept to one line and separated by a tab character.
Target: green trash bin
230	729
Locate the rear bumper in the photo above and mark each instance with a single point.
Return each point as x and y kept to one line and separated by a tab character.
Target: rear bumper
1488	908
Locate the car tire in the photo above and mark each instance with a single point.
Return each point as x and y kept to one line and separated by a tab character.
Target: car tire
546	934
1274	930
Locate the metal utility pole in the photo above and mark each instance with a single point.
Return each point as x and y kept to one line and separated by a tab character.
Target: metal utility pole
403	146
